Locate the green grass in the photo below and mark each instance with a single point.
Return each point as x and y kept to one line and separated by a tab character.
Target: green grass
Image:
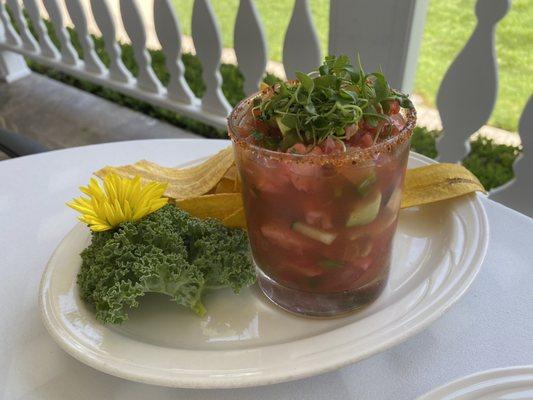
449	24
275	16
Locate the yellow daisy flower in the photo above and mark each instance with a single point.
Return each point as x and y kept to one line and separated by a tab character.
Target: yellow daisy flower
120	200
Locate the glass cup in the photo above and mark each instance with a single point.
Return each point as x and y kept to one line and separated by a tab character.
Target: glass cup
321	227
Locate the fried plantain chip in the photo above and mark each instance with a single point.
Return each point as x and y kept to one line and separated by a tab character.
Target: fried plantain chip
225	186
219	206
437	182
236	220
183	183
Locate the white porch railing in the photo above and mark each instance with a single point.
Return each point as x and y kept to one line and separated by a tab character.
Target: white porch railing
465	100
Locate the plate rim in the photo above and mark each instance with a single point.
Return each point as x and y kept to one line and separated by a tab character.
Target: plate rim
470	380
177	380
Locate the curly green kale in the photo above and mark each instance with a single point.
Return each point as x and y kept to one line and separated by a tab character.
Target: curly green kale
167	252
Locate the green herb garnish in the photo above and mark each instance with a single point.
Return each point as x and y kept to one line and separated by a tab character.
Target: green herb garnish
268	142
325	102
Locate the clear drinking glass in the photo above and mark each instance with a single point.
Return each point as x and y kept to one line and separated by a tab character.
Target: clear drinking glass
321	226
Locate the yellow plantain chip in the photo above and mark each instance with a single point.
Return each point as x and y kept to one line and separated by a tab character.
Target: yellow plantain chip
183	183
227	186
232	173
236	220
437	182
218	206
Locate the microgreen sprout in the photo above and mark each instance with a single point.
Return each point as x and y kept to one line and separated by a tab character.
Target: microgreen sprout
325	102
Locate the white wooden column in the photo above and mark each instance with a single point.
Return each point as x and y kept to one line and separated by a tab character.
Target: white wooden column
48	49
28	41
68	53
301	48
169	34
106	23
250	45
206	37
91	61
468	91
386	33
134	25
518	193
12	65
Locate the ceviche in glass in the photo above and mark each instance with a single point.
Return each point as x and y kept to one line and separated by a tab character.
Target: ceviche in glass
322	161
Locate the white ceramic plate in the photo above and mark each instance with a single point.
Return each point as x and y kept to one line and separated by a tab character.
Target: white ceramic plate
245	340
513	383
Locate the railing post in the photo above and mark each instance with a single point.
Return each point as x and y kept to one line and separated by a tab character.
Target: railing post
12	65
468	91
301	48
518	193
391	44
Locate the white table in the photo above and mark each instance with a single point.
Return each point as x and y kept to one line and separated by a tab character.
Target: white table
491	326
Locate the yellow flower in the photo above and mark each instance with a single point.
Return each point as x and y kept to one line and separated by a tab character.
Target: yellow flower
121	200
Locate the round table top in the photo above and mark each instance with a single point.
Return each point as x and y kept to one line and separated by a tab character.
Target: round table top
489	327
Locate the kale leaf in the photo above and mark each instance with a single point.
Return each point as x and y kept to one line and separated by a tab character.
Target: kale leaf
168	252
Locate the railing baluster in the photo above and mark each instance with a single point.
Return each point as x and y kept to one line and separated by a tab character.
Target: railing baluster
92	62
28	41
206	37
104	19
133	23
301	48
518	193
12	65
169	35
250	45
68	54
10	34
47	47
468	91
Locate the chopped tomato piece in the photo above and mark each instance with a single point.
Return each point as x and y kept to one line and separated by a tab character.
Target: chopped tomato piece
261	126
264	178
398	122
244	130
286	238
394	107
366	140
319	218
332	146
304	183
305	176
298	148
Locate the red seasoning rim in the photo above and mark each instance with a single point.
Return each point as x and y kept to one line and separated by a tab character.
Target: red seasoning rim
354	155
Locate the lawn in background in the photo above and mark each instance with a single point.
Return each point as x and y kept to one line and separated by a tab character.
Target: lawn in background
275	16
449	24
